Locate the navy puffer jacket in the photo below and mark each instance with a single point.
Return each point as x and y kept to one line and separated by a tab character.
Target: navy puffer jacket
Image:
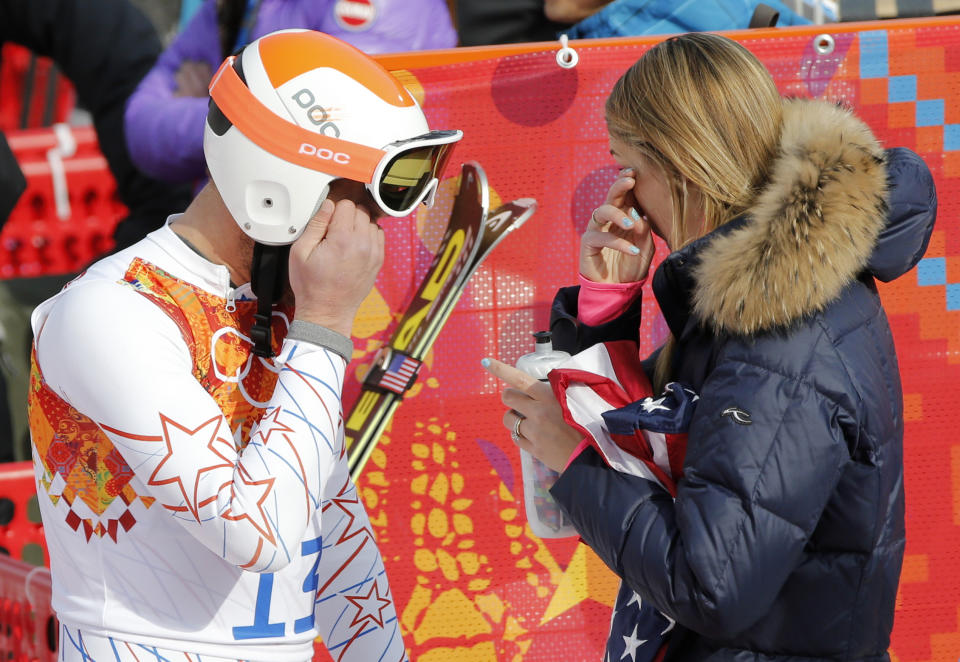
786	537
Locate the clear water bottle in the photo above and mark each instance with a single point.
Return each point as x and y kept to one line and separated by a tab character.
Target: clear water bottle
546	518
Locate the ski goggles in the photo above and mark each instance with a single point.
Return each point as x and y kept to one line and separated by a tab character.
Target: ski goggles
399	177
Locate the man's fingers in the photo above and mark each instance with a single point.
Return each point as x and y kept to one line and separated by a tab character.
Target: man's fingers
379	245
508	374
316	228
355	216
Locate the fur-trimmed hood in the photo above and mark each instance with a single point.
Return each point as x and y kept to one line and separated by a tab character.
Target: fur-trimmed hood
811	231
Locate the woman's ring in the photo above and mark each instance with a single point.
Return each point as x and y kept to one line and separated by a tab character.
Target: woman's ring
516	429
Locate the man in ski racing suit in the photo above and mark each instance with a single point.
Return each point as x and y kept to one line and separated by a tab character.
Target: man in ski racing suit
187	426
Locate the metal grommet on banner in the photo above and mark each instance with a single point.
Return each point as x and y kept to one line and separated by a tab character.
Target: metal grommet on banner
824	44
567	57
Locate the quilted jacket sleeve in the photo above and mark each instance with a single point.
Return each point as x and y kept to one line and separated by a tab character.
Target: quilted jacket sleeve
755	484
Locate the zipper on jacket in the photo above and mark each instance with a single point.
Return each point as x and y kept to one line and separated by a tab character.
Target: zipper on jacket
231	300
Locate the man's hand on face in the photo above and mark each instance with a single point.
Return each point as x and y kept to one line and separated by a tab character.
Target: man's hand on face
334	264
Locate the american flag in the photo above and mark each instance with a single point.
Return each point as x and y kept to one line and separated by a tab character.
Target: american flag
605	394
638	631
399	373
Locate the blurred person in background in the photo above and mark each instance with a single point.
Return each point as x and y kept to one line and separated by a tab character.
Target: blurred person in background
165	115
104	48
591	19
483	22
486	22
12	186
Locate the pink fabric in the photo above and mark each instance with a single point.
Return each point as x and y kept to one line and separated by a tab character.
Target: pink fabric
601	302
584	443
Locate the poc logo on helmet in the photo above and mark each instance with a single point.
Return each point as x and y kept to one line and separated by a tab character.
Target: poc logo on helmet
323	153
316	113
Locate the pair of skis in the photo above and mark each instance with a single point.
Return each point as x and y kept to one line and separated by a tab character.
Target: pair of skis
470	236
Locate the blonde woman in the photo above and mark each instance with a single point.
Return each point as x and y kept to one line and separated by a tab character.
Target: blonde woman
786	536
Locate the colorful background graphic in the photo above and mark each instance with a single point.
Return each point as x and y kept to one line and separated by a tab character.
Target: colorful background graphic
472	583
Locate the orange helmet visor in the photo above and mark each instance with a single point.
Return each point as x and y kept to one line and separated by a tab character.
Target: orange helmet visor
285	139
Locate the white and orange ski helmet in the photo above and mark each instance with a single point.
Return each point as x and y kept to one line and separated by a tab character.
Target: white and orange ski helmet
295	110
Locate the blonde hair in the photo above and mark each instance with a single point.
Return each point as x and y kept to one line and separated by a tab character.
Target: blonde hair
704	110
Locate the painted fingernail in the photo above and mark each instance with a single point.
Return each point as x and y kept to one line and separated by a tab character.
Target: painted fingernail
635	214
627	223
485	363
634	250
626	172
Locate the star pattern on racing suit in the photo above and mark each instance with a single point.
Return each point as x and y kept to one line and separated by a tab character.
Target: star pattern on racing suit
259	535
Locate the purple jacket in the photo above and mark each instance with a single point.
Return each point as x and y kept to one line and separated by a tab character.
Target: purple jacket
165	133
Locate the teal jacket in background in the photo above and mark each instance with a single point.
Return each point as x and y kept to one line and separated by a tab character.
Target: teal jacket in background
624	18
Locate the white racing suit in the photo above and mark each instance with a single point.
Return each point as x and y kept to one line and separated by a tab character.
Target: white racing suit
195	497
